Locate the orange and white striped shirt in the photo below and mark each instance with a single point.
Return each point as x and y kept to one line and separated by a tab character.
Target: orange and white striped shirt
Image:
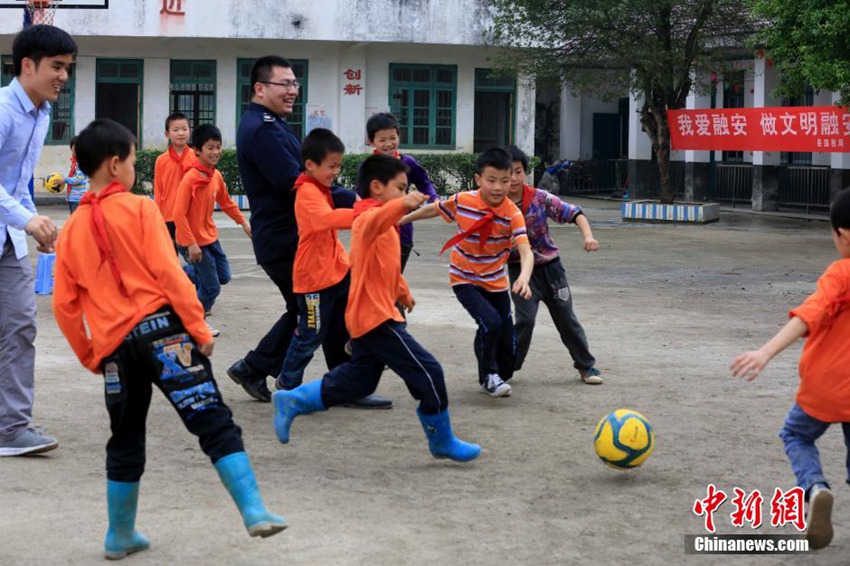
476	262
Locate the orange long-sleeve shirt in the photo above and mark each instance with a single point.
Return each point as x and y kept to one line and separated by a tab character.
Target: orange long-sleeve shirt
193	208
167	174
376	279
86	293
825	363
320	261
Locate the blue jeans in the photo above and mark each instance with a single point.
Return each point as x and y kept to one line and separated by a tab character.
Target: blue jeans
321	322
209	274
800	433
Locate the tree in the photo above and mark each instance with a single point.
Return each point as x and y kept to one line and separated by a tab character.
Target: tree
809	42
650	48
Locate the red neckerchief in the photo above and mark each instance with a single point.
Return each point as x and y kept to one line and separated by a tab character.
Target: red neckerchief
396	154
202	181
365	204
98	226
175	157
73	170
527	196
305	178
484	227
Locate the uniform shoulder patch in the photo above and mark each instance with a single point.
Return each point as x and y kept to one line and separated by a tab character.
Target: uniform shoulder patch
267	117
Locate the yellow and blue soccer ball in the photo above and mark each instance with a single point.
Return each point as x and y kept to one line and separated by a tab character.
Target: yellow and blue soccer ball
54	183
624	439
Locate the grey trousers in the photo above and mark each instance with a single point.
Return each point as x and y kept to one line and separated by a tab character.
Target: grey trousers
17	337
549	284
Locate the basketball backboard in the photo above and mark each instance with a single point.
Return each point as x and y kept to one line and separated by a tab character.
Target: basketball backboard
82	4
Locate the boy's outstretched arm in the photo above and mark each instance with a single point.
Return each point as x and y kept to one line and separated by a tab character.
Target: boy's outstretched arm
526	259
590	243
749	364
420	214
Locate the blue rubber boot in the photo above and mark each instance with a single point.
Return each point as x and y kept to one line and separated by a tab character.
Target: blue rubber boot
303	399
122	538
442	442
238	477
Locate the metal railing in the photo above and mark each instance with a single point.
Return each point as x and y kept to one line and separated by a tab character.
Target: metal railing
733	183
804	187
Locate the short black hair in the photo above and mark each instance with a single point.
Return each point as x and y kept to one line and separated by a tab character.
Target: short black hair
173	117
263	68
495	157
839	210
73	141
204	133
381	168
318	144
102	140
380	121
518	155
38	42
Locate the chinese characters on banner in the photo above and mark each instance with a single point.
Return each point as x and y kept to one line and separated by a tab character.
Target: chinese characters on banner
353	87
786	508
783	128
172	8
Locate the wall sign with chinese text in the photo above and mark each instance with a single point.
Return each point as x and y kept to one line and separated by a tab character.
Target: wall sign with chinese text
782	128
353	87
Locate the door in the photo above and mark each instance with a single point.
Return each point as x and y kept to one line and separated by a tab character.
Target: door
120	102
606	136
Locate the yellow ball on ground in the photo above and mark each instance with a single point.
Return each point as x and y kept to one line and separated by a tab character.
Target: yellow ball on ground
54	183
624	439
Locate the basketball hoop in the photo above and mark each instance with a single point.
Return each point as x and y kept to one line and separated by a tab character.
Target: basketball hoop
42	11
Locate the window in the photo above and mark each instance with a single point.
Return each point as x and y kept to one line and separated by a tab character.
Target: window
8	70
193	90
245	92
118	92
62	111
798	157
733	97
494	123
423	99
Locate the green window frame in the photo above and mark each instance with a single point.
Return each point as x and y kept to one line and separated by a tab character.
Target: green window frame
192	90
244	92
61	112
423	99
487	80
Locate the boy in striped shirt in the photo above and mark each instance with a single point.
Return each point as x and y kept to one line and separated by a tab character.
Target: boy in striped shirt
489	225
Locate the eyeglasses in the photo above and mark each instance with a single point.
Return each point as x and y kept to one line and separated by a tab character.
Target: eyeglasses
295	85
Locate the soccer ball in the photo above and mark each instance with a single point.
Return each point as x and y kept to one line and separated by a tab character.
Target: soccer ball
54	183
624	439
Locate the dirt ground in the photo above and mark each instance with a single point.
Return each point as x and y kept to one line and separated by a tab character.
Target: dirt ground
665	307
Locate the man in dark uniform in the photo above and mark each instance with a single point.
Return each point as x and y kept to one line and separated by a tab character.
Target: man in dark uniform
269	155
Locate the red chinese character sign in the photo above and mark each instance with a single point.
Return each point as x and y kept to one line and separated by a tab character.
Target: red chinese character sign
353	87
172	8
783	128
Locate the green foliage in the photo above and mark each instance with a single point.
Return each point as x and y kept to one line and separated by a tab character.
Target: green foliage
450	172
809	40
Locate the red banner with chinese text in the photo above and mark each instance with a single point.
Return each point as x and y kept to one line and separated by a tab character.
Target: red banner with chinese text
782	128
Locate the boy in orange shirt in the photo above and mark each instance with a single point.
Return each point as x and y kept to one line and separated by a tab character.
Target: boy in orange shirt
378	332
197	237
824	394
488	226
320	275
116	276
170	166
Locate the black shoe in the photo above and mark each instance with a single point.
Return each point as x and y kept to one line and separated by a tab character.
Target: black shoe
370	402
253	384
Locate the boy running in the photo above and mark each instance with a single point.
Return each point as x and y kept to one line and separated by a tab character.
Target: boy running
170	167
197	237
129	312
548	280
489	225
379	335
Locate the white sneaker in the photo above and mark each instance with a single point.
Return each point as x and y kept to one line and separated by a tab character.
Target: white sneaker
495	386
214	331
